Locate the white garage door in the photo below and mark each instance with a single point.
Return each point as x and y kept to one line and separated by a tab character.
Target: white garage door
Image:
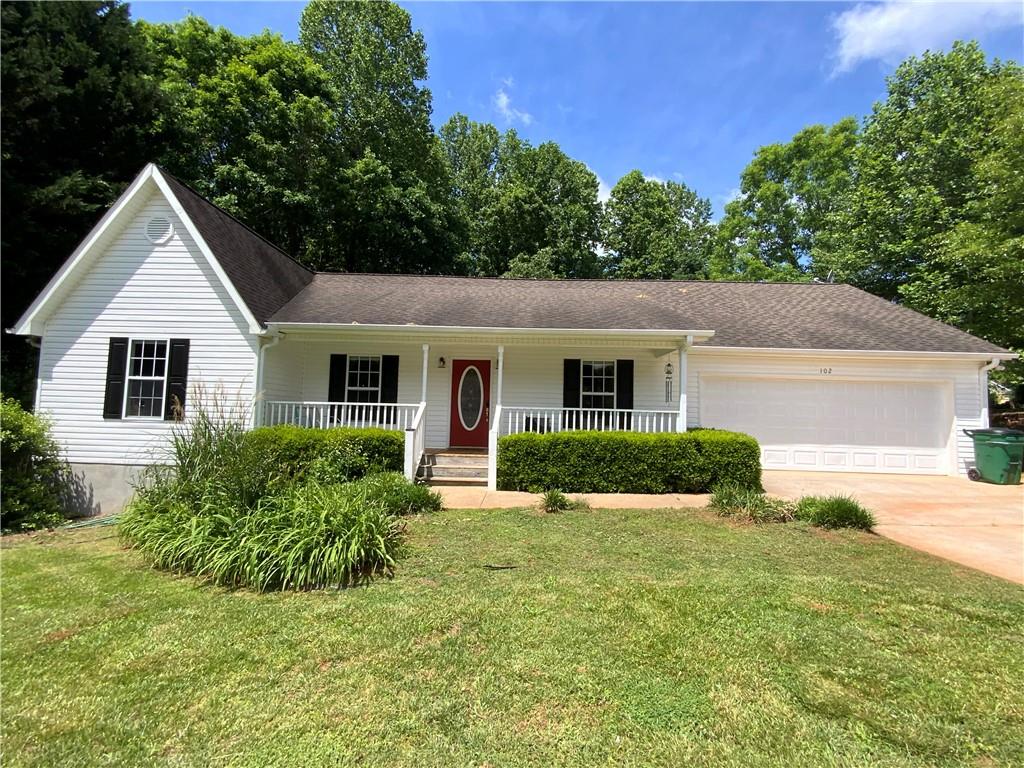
854	426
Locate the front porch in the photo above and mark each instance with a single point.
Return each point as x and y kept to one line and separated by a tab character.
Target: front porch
467	391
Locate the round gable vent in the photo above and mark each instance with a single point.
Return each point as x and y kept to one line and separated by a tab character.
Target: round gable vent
158	230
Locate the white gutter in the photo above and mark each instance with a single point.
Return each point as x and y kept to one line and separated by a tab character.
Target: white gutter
489	330
983	388
892	353
272	340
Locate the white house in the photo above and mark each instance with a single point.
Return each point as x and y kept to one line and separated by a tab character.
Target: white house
169	296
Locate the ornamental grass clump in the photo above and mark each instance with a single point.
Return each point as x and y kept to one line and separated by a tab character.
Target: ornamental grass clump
398	495
732	500
225	515
555	501
308	536
834	512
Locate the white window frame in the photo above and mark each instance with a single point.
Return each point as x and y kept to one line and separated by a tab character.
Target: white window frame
611	393
380	378
128	378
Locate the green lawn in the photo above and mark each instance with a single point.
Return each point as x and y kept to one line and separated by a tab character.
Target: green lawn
620	638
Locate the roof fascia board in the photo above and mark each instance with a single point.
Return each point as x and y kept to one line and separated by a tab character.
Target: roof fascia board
864	353
179	209
29	324
485	330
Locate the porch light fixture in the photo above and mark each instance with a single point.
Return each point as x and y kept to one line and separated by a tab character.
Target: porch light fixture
441	363
668	382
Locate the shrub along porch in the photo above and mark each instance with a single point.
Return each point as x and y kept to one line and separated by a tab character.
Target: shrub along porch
465	391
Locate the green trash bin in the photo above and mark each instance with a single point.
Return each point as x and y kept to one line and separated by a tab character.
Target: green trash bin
998	454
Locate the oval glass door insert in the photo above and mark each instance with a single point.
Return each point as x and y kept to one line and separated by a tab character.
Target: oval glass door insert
471	398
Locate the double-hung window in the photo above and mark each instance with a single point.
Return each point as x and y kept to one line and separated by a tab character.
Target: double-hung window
147	379
363	379
597	384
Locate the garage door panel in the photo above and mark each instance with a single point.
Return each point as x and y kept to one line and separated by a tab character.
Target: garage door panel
835	425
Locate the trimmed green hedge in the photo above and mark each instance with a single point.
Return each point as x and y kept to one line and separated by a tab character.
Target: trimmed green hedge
326	455
628	462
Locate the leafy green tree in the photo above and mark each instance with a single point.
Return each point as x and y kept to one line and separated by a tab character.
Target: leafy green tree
385	143
788	196
539	265
975	278
916	168
252	126
260	126
377	64
522	204
80	106
655	230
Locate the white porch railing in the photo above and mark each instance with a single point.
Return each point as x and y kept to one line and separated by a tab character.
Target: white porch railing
514	420
415	436
325	415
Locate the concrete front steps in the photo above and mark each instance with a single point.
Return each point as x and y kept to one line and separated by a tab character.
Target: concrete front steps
454	466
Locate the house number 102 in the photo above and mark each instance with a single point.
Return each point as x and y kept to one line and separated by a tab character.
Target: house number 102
825	371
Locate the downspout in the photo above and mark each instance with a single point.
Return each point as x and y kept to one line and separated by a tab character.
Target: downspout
272	340
36	342
983	388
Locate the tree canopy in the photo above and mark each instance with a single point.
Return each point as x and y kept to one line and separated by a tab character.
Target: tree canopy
81	107
653	230
531	211
788	195
326	147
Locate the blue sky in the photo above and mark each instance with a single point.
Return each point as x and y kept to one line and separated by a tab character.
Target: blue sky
683	91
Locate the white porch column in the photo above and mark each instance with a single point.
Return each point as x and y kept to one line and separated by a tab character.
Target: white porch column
681	423
426	365
495	425
501	372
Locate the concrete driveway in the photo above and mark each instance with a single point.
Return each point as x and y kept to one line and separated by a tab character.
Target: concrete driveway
975	524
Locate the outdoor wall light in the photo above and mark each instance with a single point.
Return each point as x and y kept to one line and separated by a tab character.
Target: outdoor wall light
668	382
440	362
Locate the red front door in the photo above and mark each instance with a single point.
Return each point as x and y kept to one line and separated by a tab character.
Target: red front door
471	401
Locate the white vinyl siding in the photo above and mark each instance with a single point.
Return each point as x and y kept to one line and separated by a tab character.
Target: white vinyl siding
144	291
533	375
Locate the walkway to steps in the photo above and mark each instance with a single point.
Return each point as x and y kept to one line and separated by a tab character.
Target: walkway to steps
466	467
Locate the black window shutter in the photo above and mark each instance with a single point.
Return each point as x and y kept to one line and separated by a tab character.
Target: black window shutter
570	392
570	383
177	380
624	385
624	391
337	384
117	368
389	379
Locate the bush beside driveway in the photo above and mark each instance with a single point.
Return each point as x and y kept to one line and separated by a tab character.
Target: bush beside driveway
976	524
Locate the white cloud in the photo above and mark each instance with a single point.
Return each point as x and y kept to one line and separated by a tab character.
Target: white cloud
654	177
604	192
503	103
721	200
890	31
508	81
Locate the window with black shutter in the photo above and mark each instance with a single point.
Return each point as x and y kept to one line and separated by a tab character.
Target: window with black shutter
146	378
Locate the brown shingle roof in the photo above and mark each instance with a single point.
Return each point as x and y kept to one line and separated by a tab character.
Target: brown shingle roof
771	315
264	275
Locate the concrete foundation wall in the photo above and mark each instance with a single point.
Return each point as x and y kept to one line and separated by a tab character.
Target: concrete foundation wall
101	489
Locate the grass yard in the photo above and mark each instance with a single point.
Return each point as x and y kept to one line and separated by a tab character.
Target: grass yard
620	638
